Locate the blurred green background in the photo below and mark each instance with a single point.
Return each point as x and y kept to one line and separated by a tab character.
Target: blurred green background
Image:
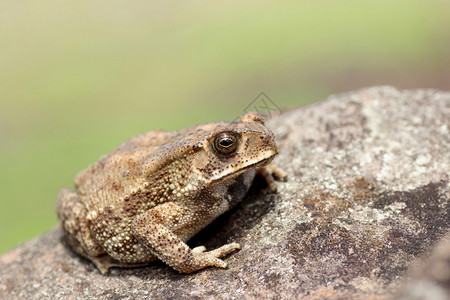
79	77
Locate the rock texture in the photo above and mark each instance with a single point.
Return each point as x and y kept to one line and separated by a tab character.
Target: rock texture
432	279
366	200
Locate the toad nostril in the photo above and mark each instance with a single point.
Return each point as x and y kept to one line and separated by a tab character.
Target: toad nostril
265	139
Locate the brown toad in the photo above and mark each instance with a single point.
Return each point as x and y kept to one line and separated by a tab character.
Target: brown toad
145	199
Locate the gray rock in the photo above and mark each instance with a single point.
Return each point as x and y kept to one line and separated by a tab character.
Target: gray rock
431	280
367	198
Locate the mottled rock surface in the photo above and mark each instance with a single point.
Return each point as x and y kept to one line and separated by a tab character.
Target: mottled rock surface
431	280
367	200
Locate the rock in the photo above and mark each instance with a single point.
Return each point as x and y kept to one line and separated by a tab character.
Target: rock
366	200
431	281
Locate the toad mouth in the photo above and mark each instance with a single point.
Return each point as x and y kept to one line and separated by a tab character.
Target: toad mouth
255	165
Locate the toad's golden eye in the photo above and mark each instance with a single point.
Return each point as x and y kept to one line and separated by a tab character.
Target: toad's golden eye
225	143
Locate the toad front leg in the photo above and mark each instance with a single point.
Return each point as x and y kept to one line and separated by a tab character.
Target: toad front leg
154	229
267	172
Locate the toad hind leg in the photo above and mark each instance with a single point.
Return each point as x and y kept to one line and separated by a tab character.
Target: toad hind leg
72	215
172	250
105	262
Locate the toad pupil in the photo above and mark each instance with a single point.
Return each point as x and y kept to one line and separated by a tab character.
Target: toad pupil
226	142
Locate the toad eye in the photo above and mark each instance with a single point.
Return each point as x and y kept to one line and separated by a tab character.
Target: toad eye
225	143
